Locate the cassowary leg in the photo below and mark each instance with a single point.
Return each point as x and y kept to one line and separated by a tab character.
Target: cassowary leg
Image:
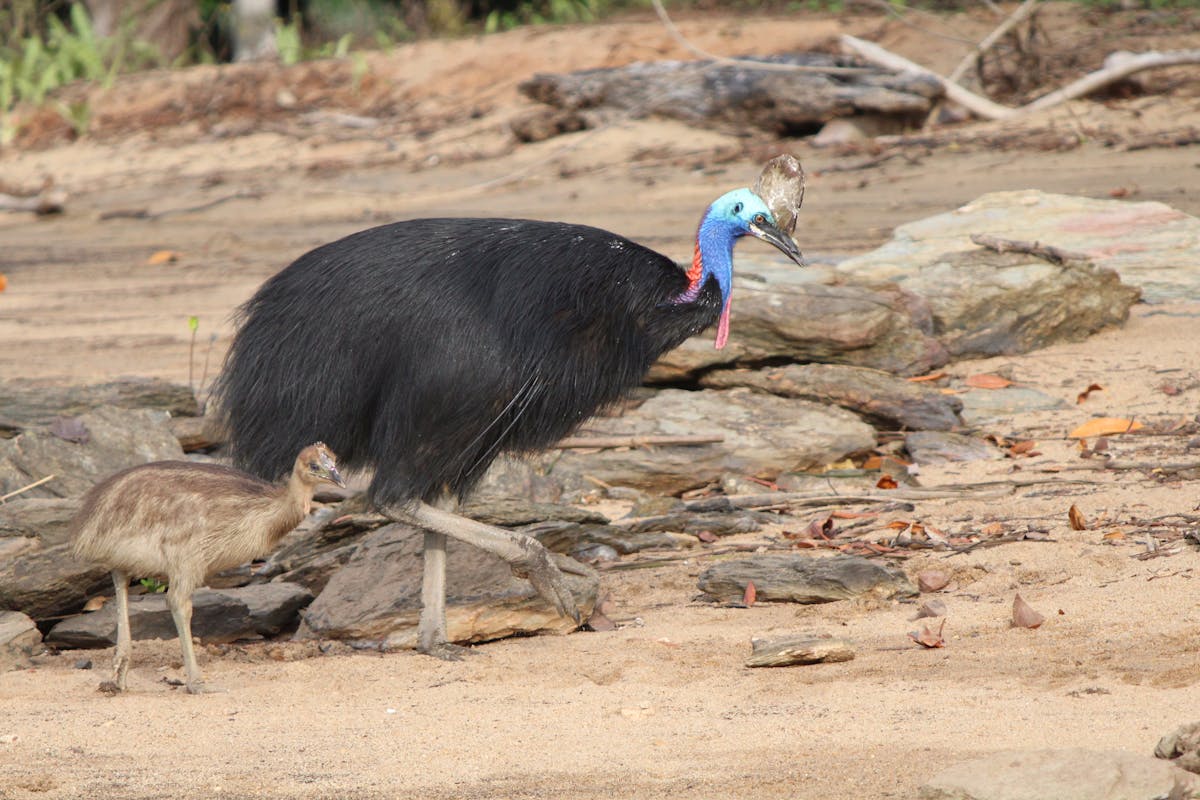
431	631
526	555
121	657
179	598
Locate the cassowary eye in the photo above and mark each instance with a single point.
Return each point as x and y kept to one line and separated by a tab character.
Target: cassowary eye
737	208
760	219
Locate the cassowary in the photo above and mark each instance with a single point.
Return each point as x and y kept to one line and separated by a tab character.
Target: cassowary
184	521
440	344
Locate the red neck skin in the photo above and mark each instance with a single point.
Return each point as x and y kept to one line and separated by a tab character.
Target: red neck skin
694	274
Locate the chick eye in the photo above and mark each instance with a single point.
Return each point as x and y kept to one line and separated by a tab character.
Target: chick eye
314	466
760	219
737	208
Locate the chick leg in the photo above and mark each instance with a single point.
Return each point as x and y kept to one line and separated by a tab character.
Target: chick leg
121	657
179	598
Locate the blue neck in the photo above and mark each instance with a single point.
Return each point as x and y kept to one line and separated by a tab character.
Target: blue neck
713	256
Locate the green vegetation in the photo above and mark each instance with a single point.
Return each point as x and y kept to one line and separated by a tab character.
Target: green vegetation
153	585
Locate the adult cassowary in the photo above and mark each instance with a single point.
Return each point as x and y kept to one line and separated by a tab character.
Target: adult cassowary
425	349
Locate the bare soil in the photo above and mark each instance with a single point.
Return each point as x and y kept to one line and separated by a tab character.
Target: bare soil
239	176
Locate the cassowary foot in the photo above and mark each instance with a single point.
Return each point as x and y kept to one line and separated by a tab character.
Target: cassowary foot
109	687
446	651
204	688
549	581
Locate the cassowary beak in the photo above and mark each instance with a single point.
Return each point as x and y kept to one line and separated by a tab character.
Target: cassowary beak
335	477
771	234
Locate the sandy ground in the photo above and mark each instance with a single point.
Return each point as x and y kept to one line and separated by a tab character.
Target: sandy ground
663	706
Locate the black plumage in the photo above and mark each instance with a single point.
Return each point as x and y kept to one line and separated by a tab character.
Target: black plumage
441	343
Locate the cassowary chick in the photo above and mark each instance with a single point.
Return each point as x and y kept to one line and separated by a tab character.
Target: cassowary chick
185	521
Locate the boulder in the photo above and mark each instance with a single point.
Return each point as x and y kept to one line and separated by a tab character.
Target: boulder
376	597
1059	775
763	435
45	518
19	639
879	397
218	615
47	581
28	404
804	579
939	447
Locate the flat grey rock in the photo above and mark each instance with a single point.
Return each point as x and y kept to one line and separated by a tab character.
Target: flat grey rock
376	597
26	404
19	639
939	447
798	578
46	581
45	518
1058	775
218	615
984	406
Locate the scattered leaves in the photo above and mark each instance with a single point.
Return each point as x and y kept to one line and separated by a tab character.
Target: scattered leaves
70	429
932	580
1104	426
933	376
1023	448
927	638
3	282
1023	615
987	381
162	257
930	608
750	595
708	537
95	603
1078	522
1114	536
1094	387
886	482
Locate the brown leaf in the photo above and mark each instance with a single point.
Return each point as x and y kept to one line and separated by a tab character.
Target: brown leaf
1118	192
1104	426
927	638
987	381
1169	389
886	482
95	603
162	257
933	376
1022	447
897	524
1095	387
931	580
1078	522
992	529
1114	536
1024	616
873	462
930	608
3	282
600	623
750	595
707	536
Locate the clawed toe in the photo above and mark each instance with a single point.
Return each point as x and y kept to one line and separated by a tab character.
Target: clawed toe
447	651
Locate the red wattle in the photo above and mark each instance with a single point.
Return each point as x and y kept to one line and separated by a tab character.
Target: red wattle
723	326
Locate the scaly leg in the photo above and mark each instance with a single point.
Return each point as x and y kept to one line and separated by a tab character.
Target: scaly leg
524	554
121	657
431	631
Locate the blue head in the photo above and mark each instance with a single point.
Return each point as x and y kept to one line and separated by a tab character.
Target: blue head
730	217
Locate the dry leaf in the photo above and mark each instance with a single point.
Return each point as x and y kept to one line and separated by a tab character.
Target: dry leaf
750	595
987	381
873	462
1078	522
1104	426
1022	447
930	608
933	376
927	638
1095	387
3	282
951	391
1169	389
707	536
600	623
931	580
886	482
95	603
1114	536
162	257
1024	616
992	529
898	524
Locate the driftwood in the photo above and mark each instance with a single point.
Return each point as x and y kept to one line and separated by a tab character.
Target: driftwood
48	201
1055	255
1126	65
798	650
605	442
746	94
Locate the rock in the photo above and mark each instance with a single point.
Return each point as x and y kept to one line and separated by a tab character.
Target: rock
573	539
783	312
986	303
932	580
986	406
716	523
19	639
29	404
784	103
856	130
938	447
376	597
46	518
47	581
879	397
804	579
763	436
1182	747
802	649
218	615
544	123
118	438
1057	775
512	512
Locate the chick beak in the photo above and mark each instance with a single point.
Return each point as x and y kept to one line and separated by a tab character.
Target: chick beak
771	234
335	478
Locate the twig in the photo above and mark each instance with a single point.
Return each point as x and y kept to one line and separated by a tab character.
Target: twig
141	213
859	163
26	488
1050	253
743	62
1128	65
751	501
1016	18
604	442
1117	465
